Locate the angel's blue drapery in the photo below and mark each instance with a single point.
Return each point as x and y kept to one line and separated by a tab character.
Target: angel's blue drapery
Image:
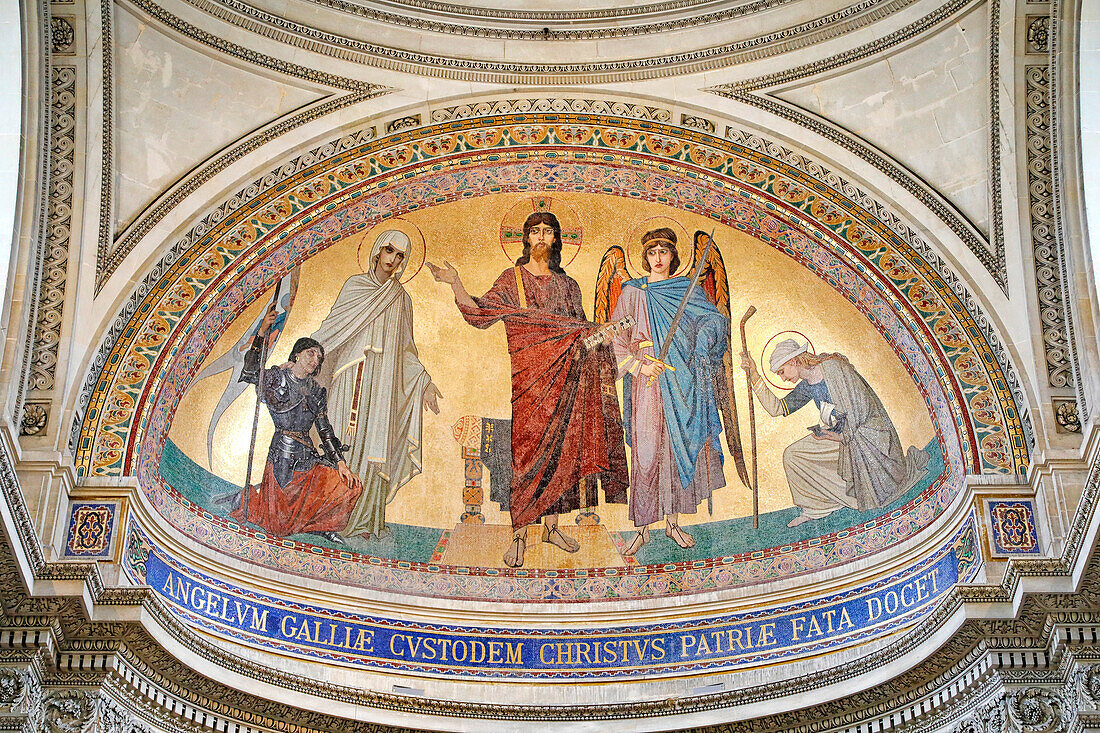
698	345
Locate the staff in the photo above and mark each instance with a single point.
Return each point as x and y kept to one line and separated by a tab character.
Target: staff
752	423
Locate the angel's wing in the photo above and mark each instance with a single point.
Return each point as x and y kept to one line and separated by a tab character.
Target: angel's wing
714	282
713	278
609	282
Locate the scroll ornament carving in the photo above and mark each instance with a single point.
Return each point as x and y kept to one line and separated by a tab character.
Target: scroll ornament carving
989	719
69	711
1088	681
1036	710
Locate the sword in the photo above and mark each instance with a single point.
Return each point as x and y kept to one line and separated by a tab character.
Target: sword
667	343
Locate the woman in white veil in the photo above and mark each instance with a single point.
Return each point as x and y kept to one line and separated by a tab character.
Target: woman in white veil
378	385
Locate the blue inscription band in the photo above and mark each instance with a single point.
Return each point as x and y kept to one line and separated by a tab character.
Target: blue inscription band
715	643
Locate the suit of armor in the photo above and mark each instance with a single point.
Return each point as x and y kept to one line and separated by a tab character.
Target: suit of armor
302	490
295	405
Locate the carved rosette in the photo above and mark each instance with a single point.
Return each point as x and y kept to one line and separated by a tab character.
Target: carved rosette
12	688
69	711
1066	416
1036	710
1038	34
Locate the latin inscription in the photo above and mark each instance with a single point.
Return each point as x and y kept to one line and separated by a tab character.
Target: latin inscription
734	640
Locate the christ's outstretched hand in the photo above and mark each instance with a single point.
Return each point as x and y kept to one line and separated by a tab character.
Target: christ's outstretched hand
446	274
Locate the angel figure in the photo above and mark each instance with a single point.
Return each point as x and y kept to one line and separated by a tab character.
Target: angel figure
675	404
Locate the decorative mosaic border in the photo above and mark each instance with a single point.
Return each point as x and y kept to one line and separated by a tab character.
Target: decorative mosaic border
884	213
718	643
812	171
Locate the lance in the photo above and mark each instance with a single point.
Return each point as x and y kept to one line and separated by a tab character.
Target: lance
666	345
256	412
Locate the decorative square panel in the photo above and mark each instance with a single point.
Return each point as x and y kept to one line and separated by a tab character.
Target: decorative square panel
92	529
1014	529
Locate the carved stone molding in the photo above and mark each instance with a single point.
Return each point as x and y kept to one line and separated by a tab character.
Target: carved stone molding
51	293
801	35
551	104
13	687
1063	203
41	195
1045	246
106	230
987	719
551	24
69	711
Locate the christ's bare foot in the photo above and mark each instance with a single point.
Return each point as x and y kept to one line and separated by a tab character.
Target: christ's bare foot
513	556
555	537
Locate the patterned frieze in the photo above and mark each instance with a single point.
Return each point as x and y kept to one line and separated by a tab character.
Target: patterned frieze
1048	265
551	104
51	296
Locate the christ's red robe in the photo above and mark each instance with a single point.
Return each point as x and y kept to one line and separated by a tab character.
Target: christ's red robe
566	423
